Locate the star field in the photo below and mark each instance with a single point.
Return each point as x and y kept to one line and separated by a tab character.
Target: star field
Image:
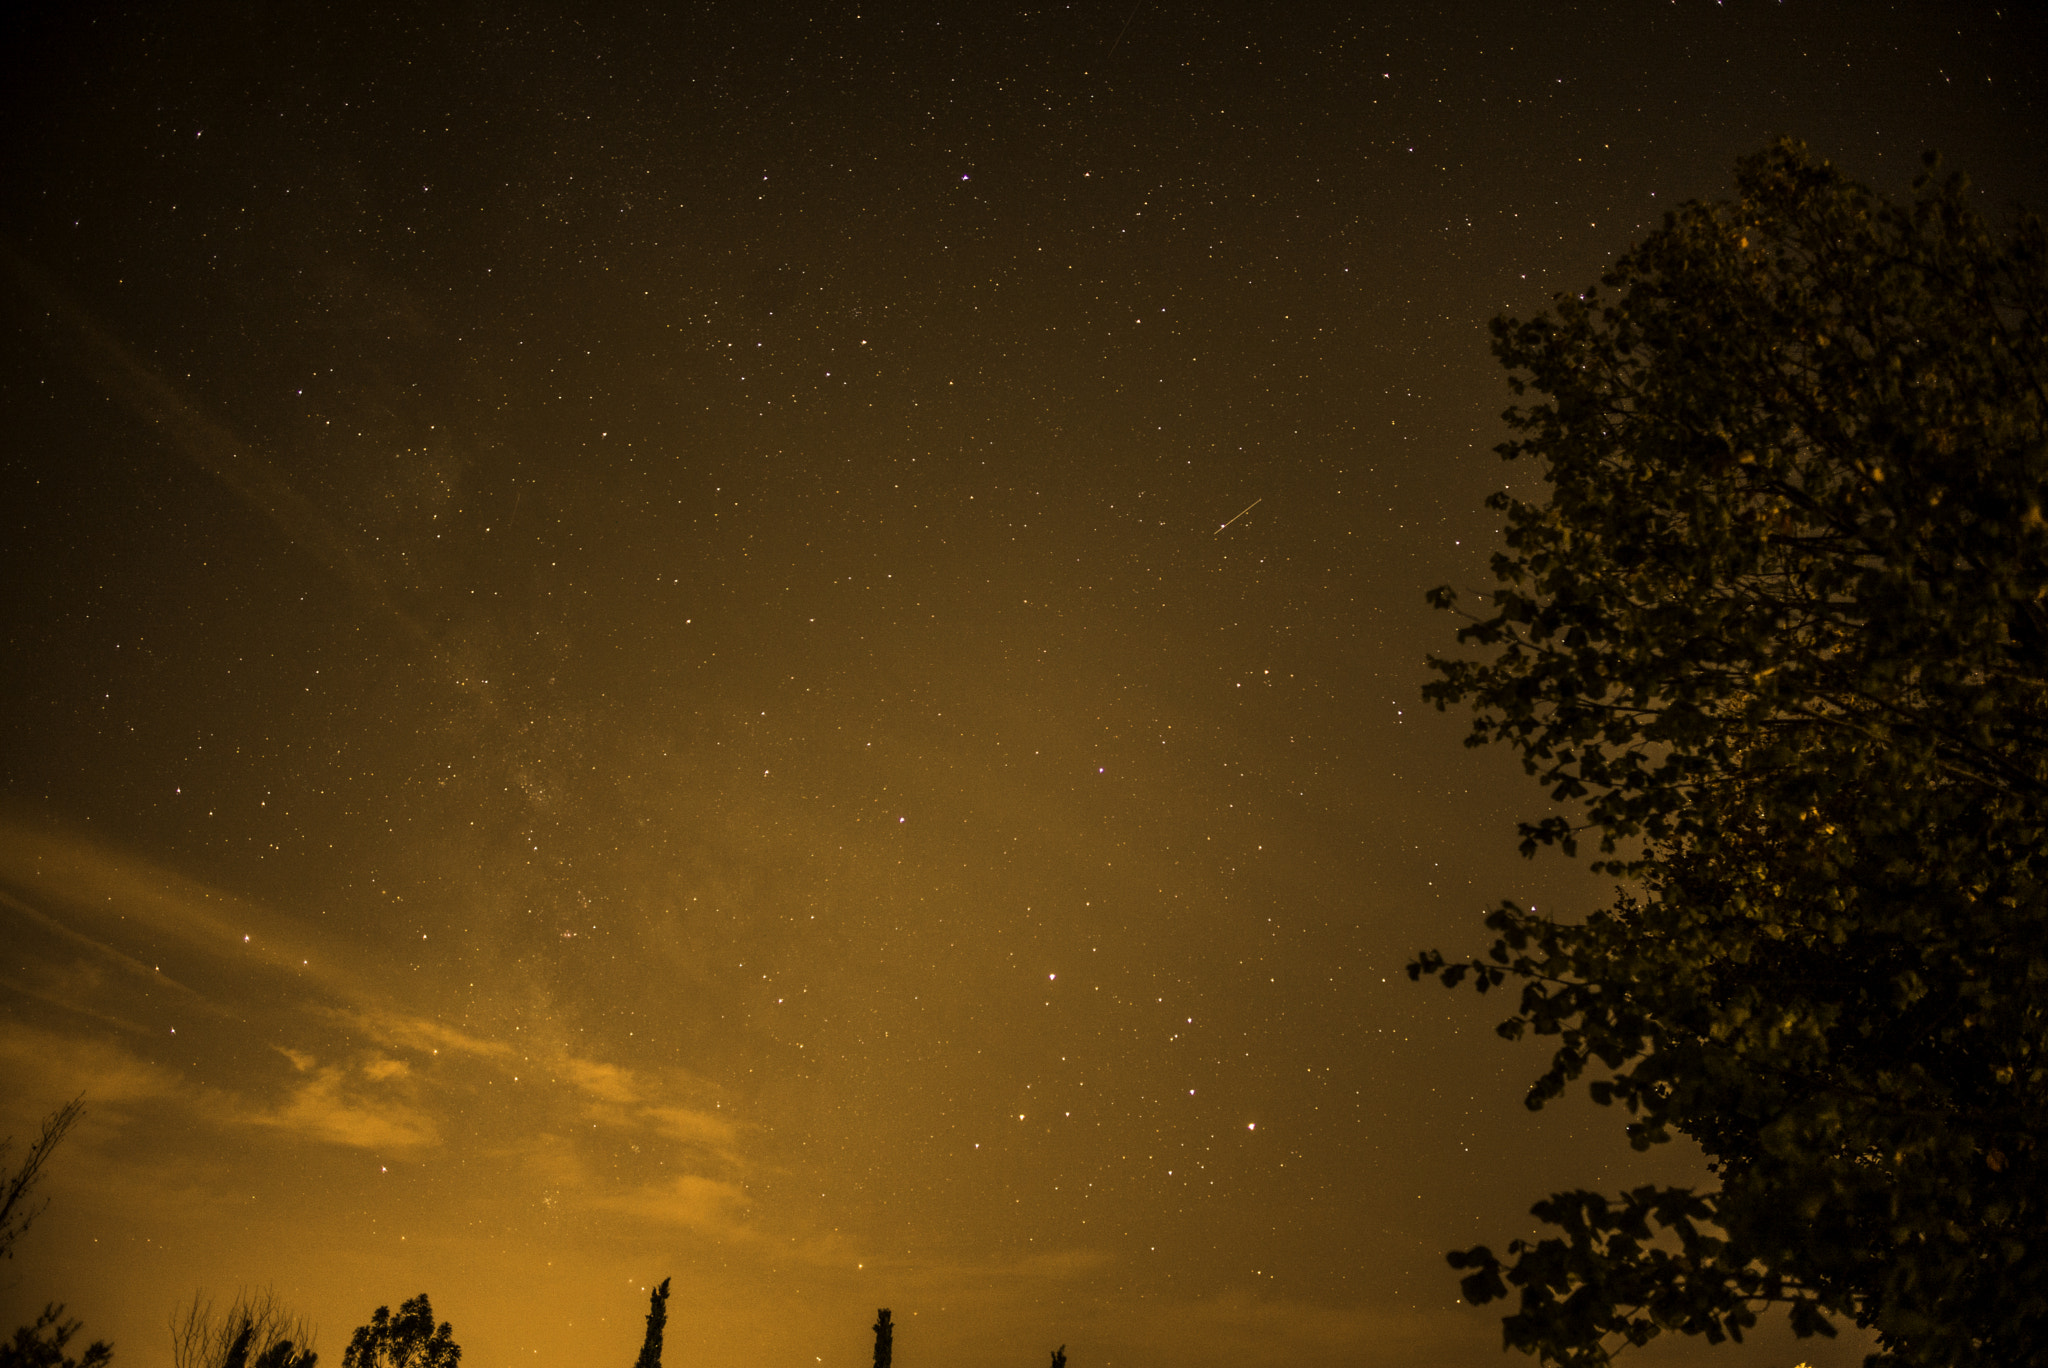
781	645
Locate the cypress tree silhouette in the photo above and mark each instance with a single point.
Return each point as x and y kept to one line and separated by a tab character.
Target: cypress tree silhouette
1059	1357
657	1317
885	1338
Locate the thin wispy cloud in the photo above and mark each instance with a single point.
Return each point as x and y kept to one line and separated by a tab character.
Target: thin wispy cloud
78	881
368	1105
708	1206
360	1069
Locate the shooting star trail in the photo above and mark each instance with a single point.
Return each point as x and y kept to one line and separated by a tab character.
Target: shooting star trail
1239	514
1125	29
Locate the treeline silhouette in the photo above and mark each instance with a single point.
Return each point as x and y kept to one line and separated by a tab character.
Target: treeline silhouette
255	1330
256	1333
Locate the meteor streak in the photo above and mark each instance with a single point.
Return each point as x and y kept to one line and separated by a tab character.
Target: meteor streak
1239	514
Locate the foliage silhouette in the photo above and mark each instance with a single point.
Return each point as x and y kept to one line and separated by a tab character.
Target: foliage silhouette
255	1331
885	1338
1781	628
42	1344
657	1317
408	1340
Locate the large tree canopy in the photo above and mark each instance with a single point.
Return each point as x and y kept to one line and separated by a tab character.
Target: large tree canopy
1778	636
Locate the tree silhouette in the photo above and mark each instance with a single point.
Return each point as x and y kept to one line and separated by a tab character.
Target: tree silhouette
885	1338
408	1340
256	1331
657	1317
1781	627
18	1210
42	1344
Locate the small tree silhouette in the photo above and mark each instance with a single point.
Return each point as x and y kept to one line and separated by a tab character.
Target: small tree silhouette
1059	1357
657	1317
407	1340
885	1338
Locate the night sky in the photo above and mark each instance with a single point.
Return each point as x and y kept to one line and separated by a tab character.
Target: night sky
623	658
